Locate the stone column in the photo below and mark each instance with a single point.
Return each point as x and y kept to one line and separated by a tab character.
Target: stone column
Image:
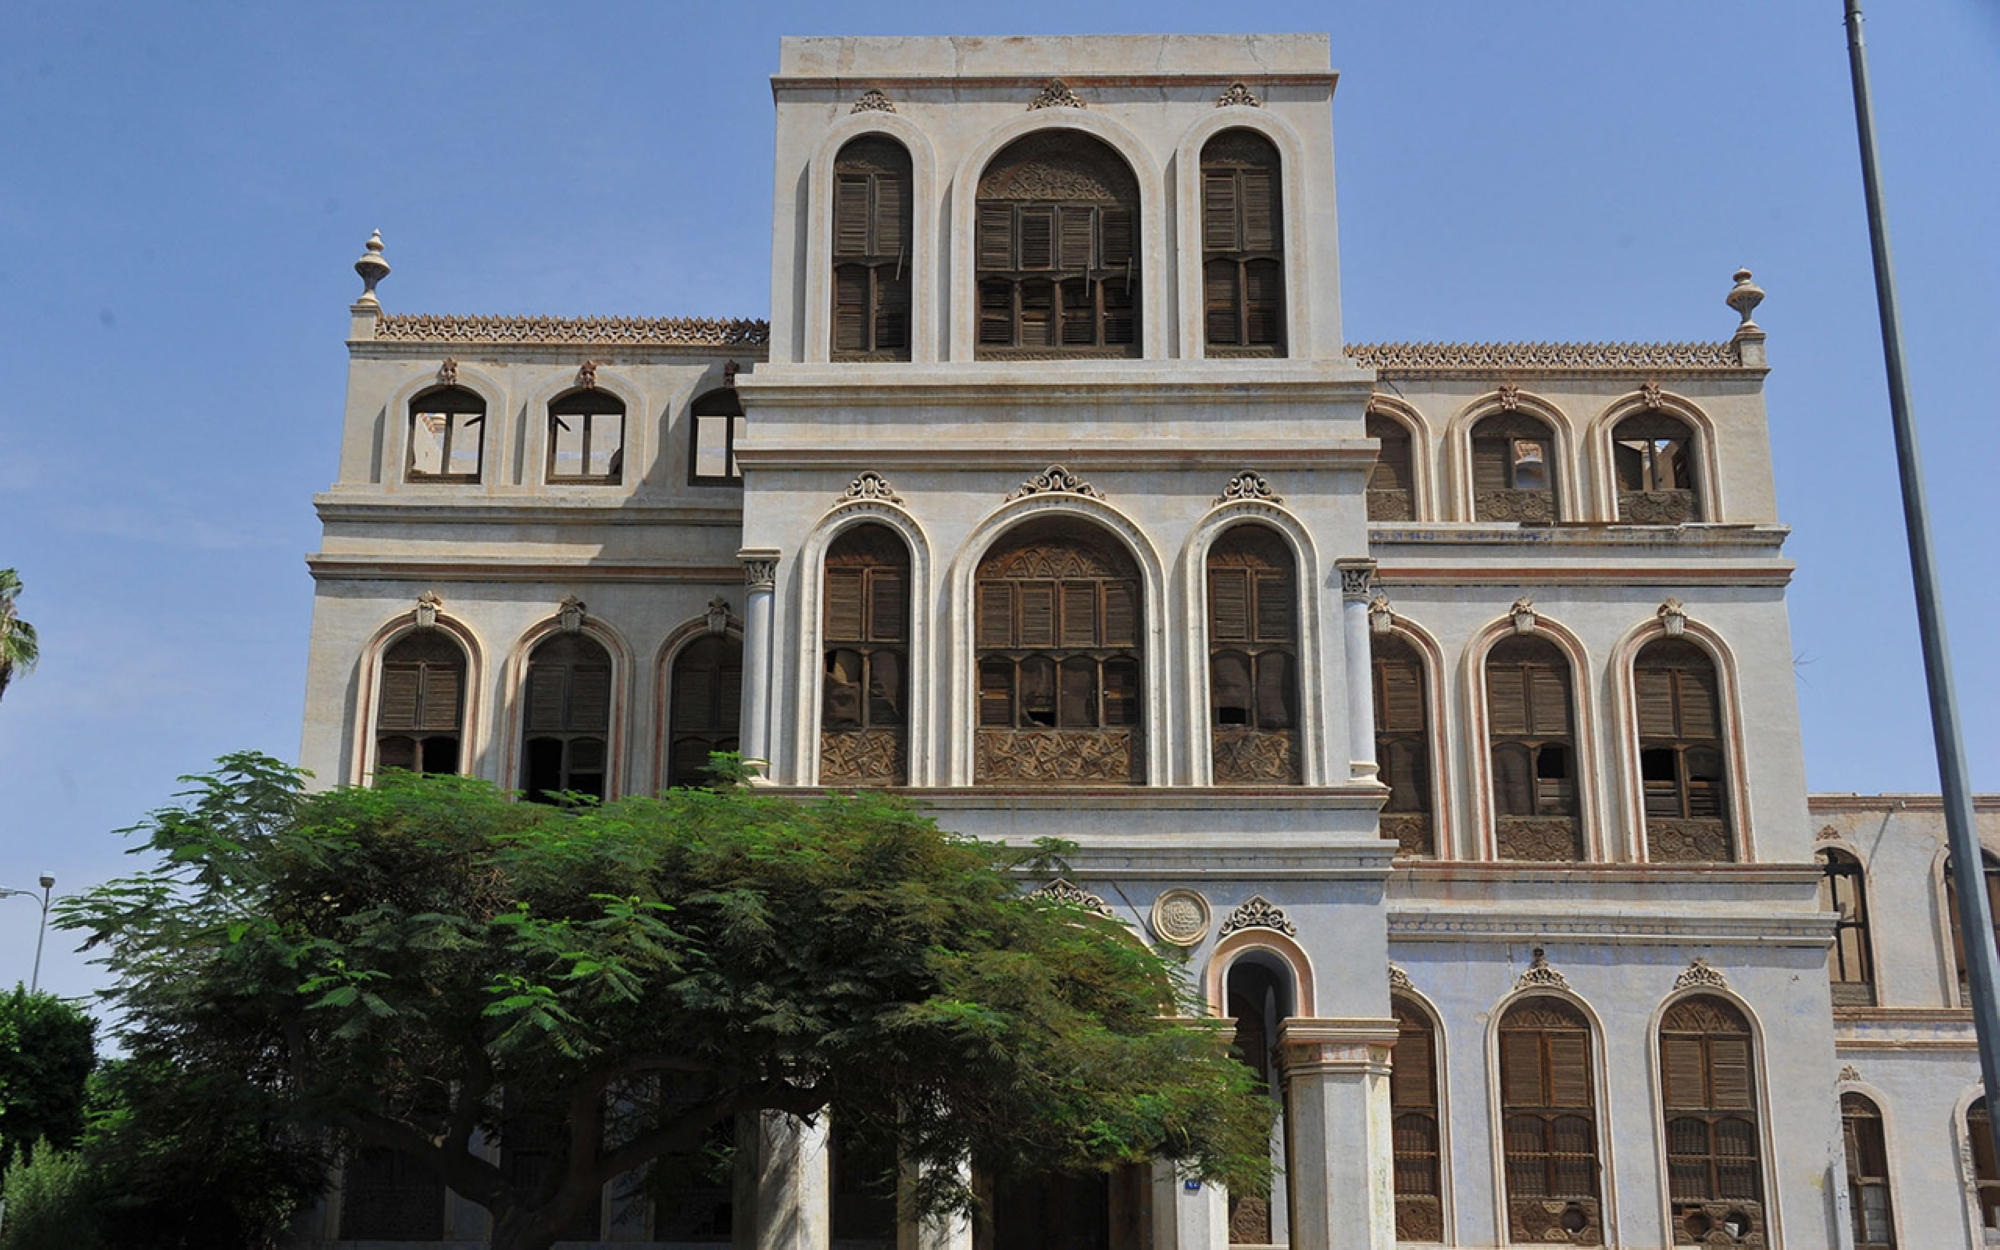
951	1232
1341	1170
789	1184
1188	1215
1356	581
760	581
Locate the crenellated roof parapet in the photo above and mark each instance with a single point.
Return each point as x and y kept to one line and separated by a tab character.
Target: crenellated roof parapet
574	331
1446	359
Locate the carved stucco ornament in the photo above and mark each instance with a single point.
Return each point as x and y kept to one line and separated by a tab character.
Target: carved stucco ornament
1400	980
1056	95
718	615
1238	94
428	604
569	614
1850	1073
1249	484
1827	833
448	372
1523	613
1381	616
1181	916
586	375
870	486
1510	397
1357	579
1063	890
1056	480
1539	975
1258	912
1673	615
873	101
1701	974
1650	393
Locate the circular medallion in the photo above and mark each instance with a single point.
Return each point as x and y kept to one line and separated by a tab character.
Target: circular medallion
1180	916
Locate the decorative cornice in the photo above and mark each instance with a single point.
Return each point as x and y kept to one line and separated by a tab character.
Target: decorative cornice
1258	912
1238	94
1063	890
1700	974
1056	480
1400	980
1540	975
873	101
1249	484
1545	357
870	486
610	331
1056	95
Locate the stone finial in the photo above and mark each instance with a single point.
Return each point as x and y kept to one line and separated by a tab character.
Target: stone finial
1381	616
1673	615
372	269
1744	298
718	615
569	614
1523	613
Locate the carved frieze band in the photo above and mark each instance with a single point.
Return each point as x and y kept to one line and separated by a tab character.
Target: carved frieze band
1063	890
1238	94
1539	975
1700	974
873	101
1258	912
1610	357
640	331
1056	480
1248	484
870	486
1056	95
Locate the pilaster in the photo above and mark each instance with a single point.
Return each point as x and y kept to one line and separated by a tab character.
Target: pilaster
790	1178
1356	586
760	580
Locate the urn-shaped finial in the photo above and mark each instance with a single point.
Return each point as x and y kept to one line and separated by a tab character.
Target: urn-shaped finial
372	268
1744	298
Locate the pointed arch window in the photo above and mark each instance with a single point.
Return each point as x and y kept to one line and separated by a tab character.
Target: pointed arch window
1653	454
1242	246
1868	1201
566	719
1057	639
587	438
1850	963
707	704
1532	744
1253	657
1392	483
871	250
1514	474
447	435
1548	1106
420	717
1681	760
1708	1088
1402	745
864	700
1056	250
1985	1171
1991	872
1413	1102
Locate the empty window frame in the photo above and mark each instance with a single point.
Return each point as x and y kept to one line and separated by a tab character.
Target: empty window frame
1868	1201
1413	1104
1681	759
1253	657
871	250
1653	454
1548	1112
1708	1090
420	713
1392	490
1057	642
706	706
1850	963
587	438
1056	251
1242	246
715	424
1531	743
1514	474
447	435
865	631
1991	867
566	719
1985	1174
1402	744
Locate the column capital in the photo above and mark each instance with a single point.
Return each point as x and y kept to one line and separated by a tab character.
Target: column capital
1357	578
760	567
1336	1046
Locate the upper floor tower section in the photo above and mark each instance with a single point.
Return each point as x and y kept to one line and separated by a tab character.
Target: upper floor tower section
1105	197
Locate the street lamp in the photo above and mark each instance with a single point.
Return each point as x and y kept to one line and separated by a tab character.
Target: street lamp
48	883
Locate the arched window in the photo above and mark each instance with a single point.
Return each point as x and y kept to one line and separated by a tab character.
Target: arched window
1392	490
565	718
447	432
1253	657
1514	470
714	426
1057	250
707	686
1402	744
1850	963
420	717
1680	753
1991	867
1985	1175
587	438
1242	246
1259	1001
1058	651
1413	1101
871	250
1867	1174
1549	1123
1533	749
1653	454
1710	1100
864	700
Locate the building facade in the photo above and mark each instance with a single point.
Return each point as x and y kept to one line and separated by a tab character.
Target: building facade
1434	699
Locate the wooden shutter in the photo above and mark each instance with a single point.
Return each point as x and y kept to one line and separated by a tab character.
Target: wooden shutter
1115	237
1079	614
1219	301
1656	703
400	684
1229	605
1549	693
1218	210
1410	1076
1399	707
996	694
1698	705
1077	240
1681	1071
1729	1072
1521	1068
892	210
1274	607
844	605
1260	210
892	308
1263	302
1490	467
1076	706
1121	693
996	313
589	698
1569	1070
442	695
996	236
1121	615
996	614
1507	700
850	215
1038	614
1274	690
1037	237
850	308
887	604
1038	311
1392	463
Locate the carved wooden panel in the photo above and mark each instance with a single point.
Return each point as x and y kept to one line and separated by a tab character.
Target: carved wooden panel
1059	165
1508	504
1385	504
1247	756
1556	1221
1419	1219
1057	756
1555	839
1249	1221
863	757
1719	1224
1658	507
1688	840
1412	832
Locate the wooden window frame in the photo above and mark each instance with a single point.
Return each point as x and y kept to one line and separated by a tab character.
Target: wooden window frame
1533	835
1410	815
1862	1132
1493	444
1985	1174
1851	974
1700	1038
721	404
1233	162
881	255
586	403
565	661
1388	502
422	729
452	403
875	749
1255	623
1647	502
724	713
1560	1037
1686	819
1990	873
1416	1126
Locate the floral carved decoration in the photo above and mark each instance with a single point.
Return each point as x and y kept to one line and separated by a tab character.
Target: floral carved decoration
873	101
1539	975
1238	94
1056	480
1700	974
1258	912
1056	95
1063	890
870	486
1249	484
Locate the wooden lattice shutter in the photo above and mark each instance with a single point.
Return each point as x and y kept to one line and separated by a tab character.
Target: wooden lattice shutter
1218	211
1521	1083
1569	1070
399	697
1229	604
850	214
845	603
996	236
888	604
1260	211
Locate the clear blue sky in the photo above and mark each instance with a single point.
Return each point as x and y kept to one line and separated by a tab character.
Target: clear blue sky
186	187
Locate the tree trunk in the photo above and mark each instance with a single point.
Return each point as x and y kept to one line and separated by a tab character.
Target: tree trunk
516	1227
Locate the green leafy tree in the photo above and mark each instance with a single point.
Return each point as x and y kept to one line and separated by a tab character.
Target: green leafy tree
51	1201
19	648
47	1050
404	964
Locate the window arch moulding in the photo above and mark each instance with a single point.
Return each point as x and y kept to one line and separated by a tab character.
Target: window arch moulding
1272	944
1759	1075
1583	731
1600	1094
619	735
639	425
1512	401
368	688
427	376
1598	450
681	637
1189	340
926	192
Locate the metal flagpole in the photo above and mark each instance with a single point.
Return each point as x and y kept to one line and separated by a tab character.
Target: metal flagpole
1975	919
